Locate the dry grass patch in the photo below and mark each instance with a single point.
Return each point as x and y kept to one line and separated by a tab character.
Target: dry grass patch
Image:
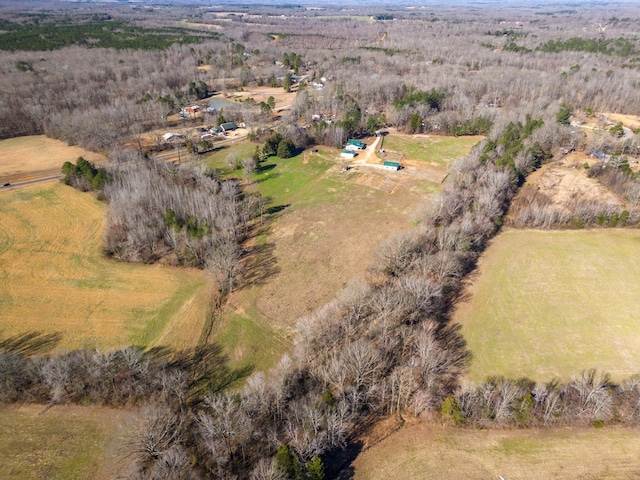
630	121
24	157
68	442
262	94
55	278
426	451
547	304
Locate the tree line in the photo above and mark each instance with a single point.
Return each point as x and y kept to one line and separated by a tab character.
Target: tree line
180	214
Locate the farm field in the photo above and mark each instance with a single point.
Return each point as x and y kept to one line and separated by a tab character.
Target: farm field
426	451
55	279
547	304
37	154
325	233
434	151
67	442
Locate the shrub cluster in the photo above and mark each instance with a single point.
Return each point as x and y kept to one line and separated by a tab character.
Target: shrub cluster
84	175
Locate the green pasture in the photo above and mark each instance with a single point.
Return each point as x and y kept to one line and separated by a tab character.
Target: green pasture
547	304
432	149
66	442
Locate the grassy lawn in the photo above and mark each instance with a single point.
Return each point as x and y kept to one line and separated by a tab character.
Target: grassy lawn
423	451
550	304
435	150
67	442
55	278
217	158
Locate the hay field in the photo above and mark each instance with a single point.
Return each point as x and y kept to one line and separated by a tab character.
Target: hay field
26	156
67	442
431	452
547	304
55	279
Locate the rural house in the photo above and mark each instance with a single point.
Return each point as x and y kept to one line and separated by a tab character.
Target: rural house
348	154
228	126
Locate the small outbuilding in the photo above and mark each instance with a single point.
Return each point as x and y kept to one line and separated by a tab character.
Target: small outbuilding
168	137
355	144
391	166
348	154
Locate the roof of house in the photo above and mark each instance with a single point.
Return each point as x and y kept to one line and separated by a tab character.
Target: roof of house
228	126
348	152
353	141
391	164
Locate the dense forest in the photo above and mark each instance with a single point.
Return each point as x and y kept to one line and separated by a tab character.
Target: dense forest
101	77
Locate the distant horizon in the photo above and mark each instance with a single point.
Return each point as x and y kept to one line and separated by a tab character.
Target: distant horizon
334	3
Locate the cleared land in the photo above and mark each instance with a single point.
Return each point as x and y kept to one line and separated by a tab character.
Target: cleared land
566	178
326	232
433	151
426	451
26	157
262	94
68	442
55	279
550	304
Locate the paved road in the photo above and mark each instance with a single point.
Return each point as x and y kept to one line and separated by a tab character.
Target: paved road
166	156
31	181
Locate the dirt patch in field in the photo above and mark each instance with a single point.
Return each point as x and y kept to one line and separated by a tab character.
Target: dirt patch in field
566	178
630	121
29	157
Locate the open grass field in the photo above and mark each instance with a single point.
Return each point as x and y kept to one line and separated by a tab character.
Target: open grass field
325	232
426	451
67	442
55	279
434	151
217	158
551	304
25	156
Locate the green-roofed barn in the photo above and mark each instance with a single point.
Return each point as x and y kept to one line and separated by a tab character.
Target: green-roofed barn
391	165
353	144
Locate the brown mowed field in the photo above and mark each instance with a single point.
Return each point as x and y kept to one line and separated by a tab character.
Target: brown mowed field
426	451
25	156
54	278
320	248
66	442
